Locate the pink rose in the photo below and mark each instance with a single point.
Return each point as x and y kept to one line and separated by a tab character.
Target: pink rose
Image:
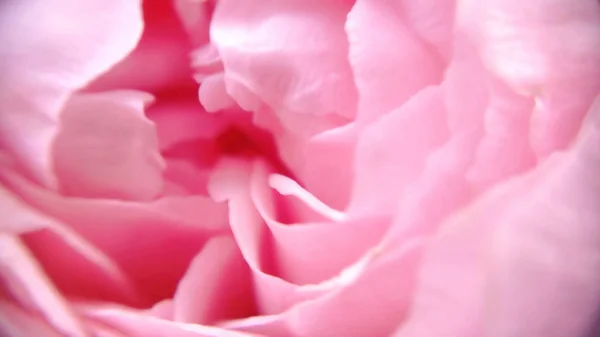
300	168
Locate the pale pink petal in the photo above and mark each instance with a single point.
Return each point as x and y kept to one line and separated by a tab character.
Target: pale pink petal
392	152
18	217
389	63
329	173
367	299
291	54
433	21
16	322
107	147
25	280
540	264
231	182
38	75
216	286
504	149
547	50
466	94
213	94
448	301
438	191
544	262
312	251
137	324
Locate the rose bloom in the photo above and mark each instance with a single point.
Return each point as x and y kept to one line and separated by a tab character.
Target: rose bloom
300	168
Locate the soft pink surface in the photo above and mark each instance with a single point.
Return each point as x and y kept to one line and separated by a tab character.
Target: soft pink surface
300	168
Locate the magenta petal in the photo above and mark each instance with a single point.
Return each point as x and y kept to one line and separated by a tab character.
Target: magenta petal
107	148
38	75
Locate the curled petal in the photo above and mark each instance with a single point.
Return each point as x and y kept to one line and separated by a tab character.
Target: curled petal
38	75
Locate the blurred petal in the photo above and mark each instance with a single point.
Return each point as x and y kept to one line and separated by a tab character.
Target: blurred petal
18	217
24	278
16	322
213	93
137	324
433	21
107	148
505	149
38	75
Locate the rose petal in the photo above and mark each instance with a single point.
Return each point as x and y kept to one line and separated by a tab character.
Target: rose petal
165	233
390	65
160	61
527	247
448	300
107	148
546	50
216	286
504	149
195	16
14	321
18	217
380	283
544	257
26	281
392	152
301	67
433	21
213	94
137	324
313	251
329	173
231	181
38	75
